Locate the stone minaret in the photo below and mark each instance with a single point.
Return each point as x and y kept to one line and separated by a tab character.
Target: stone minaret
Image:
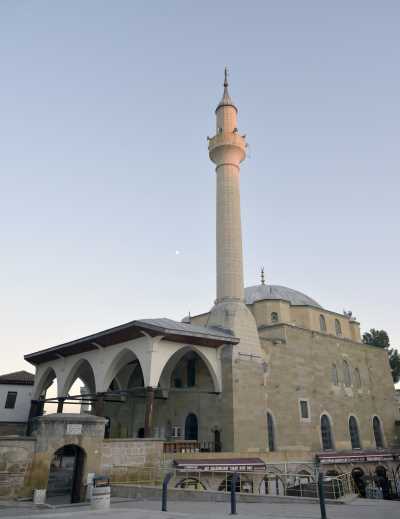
227	150
241	365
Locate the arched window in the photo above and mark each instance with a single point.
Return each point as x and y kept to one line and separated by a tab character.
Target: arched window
322	323
271	433
346	373
354	434
377	426
357	378
338	328
191	427
334	375
274	317
326	433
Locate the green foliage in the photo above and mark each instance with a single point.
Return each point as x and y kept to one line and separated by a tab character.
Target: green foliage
377	338
380	339
394	361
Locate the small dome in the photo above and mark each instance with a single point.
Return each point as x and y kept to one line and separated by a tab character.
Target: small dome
261	292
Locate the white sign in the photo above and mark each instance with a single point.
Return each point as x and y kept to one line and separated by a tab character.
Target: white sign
74	428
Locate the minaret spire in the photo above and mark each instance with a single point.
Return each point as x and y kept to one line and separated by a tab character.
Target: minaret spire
226	98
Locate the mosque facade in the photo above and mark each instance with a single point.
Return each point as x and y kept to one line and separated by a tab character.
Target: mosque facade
267	371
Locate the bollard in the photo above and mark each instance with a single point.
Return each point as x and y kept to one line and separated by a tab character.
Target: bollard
321	495
165	490
234	480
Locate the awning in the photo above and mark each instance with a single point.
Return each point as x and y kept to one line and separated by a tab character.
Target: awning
220	465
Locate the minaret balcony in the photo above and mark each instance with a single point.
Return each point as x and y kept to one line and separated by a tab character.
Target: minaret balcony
226	142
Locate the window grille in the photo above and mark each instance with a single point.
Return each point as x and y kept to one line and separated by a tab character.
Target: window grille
271	433
326	433
11	399
354	434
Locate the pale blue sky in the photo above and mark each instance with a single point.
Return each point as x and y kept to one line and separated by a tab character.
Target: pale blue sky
104	112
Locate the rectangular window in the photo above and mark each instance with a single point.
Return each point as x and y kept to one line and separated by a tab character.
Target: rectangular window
191	372
304	411
11	399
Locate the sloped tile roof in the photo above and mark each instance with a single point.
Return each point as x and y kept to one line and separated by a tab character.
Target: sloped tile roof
18	378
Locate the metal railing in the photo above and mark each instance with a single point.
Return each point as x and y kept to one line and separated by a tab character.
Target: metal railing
255	483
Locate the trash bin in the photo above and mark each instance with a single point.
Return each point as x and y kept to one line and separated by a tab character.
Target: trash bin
101	493
39	496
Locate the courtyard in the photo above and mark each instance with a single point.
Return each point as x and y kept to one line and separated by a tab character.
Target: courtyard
129	509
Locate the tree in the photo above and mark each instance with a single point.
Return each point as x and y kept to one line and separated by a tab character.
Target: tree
394	361
377	338
380	339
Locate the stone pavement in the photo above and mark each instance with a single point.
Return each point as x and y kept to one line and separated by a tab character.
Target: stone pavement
125	509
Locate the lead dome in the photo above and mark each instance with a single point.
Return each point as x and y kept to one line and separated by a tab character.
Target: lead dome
261	292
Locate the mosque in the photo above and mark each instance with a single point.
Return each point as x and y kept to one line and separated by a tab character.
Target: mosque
267	371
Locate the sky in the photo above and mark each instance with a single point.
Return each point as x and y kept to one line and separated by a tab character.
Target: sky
107	197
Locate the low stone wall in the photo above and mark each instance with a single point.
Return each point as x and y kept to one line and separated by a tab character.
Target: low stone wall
16	455
12	428
122	459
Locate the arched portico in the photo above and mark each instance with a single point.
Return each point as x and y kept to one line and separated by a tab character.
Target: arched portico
129	369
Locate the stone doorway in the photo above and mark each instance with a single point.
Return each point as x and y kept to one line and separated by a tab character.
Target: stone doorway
65	475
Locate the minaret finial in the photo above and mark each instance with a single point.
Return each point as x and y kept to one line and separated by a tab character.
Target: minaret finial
226	77
262	276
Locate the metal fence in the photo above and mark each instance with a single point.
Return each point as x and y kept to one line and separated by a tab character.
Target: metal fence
253	483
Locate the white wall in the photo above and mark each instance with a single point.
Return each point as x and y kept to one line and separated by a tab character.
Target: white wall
20	413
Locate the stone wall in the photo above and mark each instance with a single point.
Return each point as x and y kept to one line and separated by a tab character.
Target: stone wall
300	367
121	459
13	428
16	455
25	462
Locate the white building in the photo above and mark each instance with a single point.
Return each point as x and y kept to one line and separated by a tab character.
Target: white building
15	401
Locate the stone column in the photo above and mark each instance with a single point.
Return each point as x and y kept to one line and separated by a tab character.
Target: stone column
60	405
35	410
148	418
99	405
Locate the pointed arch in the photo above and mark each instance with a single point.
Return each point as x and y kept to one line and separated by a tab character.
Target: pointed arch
172	361
121	359
338	328
83	370
326	432
346	373
191	427
44	381
322	323
354	432
378	432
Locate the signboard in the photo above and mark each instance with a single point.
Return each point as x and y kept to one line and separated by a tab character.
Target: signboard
74	428
229	465
219	468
